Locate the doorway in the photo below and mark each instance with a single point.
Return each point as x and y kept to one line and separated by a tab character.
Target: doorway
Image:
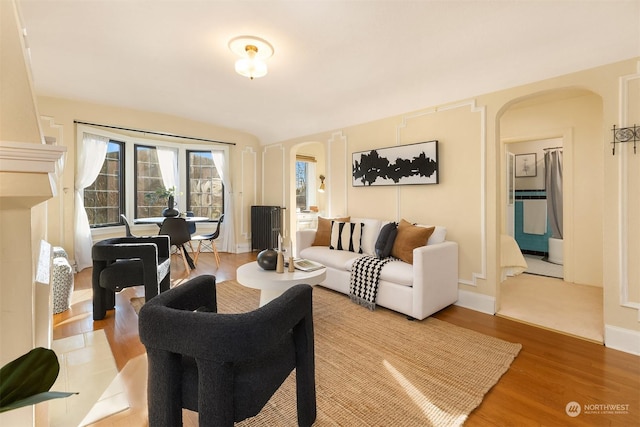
534	214
571	119
307	174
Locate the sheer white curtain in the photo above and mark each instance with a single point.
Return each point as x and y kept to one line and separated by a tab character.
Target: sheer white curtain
90	159
228	227
167	159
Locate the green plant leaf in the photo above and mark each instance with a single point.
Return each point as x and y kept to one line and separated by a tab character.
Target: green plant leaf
161	194
27	377
38	398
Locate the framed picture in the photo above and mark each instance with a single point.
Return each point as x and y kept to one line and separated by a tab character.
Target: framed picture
400	165
526	165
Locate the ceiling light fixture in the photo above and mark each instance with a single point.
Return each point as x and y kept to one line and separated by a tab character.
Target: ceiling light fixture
253	51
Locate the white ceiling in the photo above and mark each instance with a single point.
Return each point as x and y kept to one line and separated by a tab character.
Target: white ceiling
336	63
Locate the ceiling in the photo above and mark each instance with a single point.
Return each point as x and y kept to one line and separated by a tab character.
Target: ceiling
336	63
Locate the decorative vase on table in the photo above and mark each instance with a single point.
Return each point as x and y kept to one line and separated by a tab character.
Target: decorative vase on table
170	210
267	259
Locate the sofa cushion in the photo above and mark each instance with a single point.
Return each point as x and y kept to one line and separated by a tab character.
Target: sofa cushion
323	232
438	236
346	236
370	232
395	271
409	237
385	240
340	260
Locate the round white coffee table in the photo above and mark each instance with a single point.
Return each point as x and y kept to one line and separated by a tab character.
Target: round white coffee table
272	284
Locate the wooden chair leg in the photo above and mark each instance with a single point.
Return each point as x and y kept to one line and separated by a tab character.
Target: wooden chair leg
195	259
184	259
215	252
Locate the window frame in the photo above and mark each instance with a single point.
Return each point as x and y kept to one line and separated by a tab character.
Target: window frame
136	146
188	206
122	187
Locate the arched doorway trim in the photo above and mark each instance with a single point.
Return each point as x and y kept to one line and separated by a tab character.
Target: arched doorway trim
567	135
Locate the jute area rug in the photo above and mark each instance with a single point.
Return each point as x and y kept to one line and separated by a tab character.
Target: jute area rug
376	368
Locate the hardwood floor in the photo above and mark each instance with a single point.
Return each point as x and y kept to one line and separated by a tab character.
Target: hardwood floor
551	371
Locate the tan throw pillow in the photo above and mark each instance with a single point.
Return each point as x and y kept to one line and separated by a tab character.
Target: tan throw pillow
323	233
408	238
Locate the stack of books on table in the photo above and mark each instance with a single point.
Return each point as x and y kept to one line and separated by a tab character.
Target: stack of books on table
306	265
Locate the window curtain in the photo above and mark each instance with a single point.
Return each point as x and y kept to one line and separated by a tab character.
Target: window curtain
228	227
90	160
168	168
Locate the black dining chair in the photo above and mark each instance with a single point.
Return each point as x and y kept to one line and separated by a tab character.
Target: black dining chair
209	239
192	227
178	231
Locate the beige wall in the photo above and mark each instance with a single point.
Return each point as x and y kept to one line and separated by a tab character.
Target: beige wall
17	106
61	113
580	107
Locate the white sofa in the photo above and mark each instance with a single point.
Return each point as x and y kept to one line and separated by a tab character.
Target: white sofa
417	290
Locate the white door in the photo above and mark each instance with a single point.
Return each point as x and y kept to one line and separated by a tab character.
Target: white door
511	194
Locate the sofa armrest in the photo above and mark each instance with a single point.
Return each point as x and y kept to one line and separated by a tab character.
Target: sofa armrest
304	239
435	278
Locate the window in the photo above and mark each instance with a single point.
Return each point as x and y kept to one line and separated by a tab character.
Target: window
104	199
205	191
150	191
305	182
152	168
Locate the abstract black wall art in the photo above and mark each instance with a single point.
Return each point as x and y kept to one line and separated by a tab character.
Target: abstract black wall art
401	165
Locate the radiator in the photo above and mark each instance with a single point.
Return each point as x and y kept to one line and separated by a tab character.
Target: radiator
266	224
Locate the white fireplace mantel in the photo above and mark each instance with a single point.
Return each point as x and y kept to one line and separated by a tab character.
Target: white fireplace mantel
29	157
27	175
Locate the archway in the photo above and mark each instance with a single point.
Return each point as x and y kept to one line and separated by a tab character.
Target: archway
306	202
574	117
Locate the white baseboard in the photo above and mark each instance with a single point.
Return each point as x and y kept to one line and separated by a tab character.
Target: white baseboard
475	301
622	339
617	338
243	248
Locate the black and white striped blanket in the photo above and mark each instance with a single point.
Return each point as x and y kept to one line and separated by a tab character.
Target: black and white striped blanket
365	275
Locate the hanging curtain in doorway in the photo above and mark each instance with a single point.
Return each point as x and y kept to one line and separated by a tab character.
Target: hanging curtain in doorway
553	184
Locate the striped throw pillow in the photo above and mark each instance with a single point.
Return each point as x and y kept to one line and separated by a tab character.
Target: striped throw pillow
346	236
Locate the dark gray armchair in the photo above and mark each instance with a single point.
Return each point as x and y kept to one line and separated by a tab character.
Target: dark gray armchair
123	262
225	366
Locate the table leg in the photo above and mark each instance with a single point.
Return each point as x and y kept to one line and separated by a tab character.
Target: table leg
267	296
